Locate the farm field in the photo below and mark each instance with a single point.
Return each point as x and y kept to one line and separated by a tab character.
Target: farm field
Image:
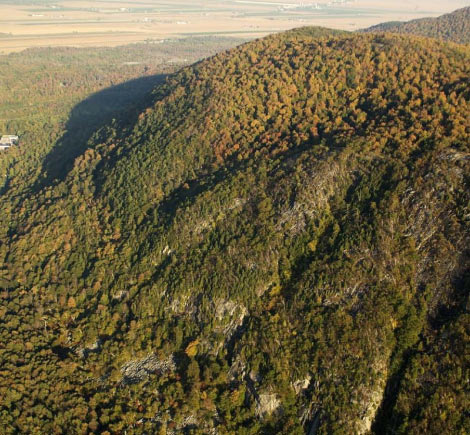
36	23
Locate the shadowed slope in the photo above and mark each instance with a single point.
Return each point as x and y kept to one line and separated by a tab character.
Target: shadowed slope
98	110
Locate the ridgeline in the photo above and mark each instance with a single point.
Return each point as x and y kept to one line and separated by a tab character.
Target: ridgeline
453	27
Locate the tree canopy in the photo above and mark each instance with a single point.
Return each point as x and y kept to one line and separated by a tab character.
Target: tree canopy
275	239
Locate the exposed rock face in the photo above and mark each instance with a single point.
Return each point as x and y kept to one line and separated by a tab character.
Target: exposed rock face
301	385
320	185
166	250
184	305
375	400
372	398
255	377
120	295
268	404
136	371
233	313
83	352
164	419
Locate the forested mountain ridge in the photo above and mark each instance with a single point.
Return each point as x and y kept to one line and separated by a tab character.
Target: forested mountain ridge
453	27
277	243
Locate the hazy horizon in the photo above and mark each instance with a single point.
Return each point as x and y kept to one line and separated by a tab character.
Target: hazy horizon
81	23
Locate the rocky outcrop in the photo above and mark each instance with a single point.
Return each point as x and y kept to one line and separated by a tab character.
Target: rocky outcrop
137	371
84	351
372	397
301	385
268	404
231	316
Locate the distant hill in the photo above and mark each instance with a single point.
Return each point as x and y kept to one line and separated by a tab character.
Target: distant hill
272	241
453	27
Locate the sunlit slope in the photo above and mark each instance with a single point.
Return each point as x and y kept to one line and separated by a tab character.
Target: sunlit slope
278	243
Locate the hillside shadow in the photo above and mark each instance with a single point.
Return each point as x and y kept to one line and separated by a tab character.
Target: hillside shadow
124	102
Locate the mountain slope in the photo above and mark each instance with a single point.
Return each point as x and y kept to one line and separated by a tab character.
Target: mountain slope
450	27
278	243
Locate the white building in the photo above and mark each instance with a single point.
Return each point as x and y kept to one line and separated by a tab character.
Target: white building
7	141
